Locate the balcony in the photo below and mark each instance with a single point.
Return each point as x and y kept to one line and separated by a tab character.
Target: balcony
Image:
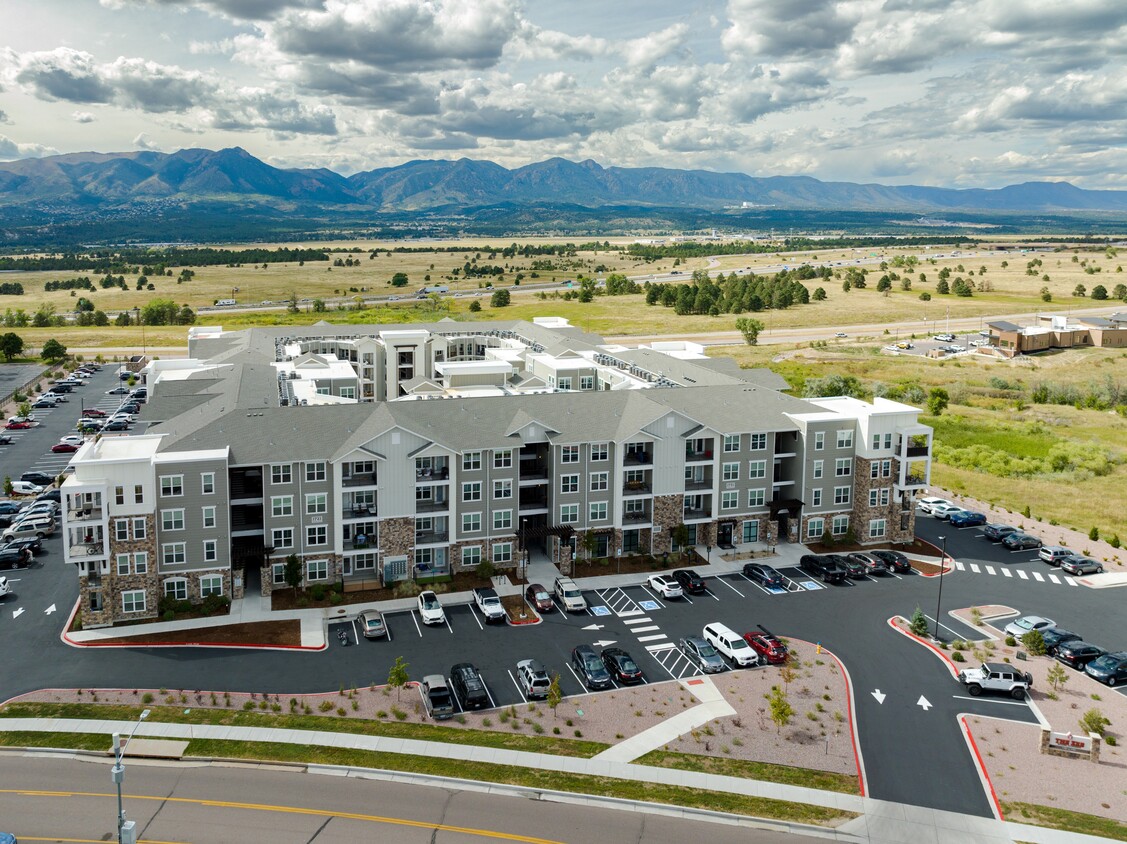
698	483
696	514
360	479
431	537
246	518
533	470
533	499
86	542
917	451
636	488
359	511
432	505
432	474
695	455
85	513
361	541
637	458
244	483
636	518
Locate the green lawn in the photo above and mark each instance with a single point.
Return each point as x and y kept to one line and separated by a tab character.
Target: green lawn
1055	818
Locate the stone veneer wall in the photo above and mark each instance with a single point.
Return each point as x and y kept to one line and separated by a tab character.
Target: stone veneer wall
112	585
193	579
397	537
862	513
668	512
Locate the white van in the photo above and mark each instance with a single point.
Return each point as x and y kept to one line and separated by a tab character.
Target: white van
731	644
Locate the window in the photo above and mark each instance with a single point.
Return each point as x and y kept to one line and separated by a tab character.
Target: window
751	531
211	584
172	519
845	438
281	473
569	514
363	562
502	519
586	382
816	500
122	564
565	382
819	440
210	551
888	440
600	451
841	495
502	489
874	469
121	530
840	525
281	505
471	491
731	442
503	459
173	554
569	454
878	528
471	522
634	507
315	471
758	442
502	552
138	494
756	497
171	485
208	514
599	481
756	469
119	495
316	535
281	538
207	483
140	531
878	497
731	471
317	570
598	511
886	468
348	392
141	562
876	441
317	502
471	461
729	500
818	464
815	528
843	467
176	588
471	555
133	600
569	483
278	573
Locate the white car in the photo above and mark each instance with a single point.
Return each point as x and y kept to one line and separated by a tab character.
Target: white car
72	439
1028	623
926	504
25	488
665	586
944	511
430	610
5	587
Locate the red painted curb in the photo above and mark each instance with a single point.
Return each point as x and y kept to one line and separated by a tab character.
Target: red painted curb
937	651
982	768
852	723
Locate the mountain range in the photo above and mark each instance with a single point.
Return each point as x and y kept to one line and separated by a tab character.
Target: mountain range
117	183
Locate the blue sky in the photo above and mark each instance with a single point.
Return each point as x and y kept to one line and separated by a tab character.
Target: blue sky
942	92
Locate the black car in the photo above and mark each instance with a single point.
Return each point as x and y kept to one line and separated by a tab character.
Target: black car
55	494
590	668
32	544
690	581
872	563
823	566
621	666
5	439
469	686
12	557
44	404
764	575
853	568
1078	653
1109	668
38	478
1054	637
997	532
894	560
116	425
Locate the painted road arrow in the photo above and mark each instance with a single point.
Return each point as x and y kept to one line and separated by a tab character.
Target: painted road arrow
17	613
50	609
879	695
924	702
602	644
593	627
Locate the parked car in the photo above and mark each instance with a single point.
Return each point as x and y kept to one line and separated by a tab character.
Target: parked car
5	587
469	686
1081	565
1055	636
533	679
702	654
25	488
54	494
997	677
40	478
731	644
853	568
996	532
590	668
64	448
820	565
14	557
44	404
894	560
764	575
871	562
621	666
32	544
665	586
37	525
1054	554
967	518
5	439
569	595
1109	668
1027	623
73	439
118	391
1018	541
691	582
430	610
372	624
926	505
768	646
10	508
945	511
93	412
1078	653
437	697
18	425
116	425
538	598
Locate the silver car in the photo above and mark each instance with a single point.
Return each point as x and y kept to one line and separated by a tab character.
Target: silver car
702	654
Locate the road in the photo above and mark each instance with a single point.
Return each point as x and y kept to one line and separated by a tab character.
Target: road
73	800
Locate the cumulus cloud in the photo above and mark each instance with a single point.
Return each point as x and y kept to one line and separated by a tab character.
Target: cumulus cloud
12	151
792	29
59	74
238	9
143	141
82	117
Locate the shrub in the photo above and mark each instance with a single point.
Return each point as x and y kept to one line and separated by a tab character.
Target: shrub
318	592
958	657
1034	642
1094	534
147	698
1094	721
918	624
1011	641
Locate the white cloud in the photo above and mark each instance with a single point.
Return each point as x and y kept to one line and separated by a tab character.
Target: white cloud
11	150
82	117
143	141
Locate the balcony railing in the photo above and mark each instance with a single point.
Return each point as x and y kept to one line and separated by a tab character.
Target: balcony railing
96	548
537	471
916	451
702	483
635	518
361	541
636	488
82	514
701	454
439	473
431	537
359	511
637	458
431	505
693	513
360	479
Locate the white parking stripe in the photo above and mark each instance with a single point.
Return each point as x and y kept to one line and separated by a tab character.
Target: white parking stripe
520	691
733	588
1069	580
638	620
1007	573
960	566
990	570
653	638
1021	573
1037	577
974	568
1053	578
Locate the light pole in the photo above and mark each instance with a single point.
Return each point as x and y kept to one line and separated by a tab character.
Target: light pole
942	568
523	549
117	772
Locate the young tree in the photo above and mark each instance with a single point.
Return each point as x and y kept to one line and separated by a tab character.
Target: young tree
1056	676
937	401
918	624
781	710
292	573
475	307
555	694
397	678
1034	642
291	303
1094	721
53	351
750	329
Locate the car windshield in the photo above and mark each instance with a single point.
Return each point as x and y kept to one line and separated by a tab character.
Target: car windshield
706	650
571	592
1025	624
430	603
627	664
739	643
591	663
541	595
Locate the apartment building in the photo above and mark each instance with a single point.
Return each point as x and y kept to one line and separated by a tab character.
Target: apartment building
376	454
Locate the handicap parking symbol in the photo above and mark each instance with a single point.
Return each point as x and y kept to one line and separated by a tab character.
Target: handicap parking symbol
600	610
649	605
809	584
776	590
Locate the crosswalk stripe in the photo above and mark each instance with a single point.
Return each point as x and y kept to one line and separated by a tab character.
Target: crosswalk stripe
1053	578
646	629
1021	573
626	613
974	568
653	638
1037	577
1007	573
960	566
990	570
1069	580
636	620
664	646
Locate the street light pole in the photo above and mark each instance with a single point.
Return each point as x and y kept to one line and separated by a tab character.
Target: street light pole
117	772
942	568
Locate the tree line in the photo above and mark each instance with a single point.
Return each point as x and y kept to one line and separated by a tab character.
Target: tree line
791	244
129	261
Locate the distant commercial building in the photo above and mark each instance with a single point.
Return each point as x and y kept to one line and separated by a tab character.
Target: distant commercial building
1057	332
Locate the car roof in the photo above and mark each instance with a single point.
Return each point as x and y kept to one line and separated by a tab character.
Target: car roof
583	649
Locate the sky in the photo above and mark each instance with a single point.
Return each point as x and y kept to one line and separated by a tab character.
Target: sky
960	93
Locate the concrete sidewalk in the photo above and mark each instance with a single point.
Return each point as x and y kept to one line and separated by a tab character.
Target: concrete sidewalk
880	822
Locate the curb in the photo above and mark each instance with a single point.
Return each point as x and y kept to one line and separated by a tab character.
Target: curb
978	763
939	653
862	780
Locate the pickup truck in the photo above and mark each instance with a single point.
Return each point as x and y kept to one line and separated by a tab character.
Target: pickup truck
489	604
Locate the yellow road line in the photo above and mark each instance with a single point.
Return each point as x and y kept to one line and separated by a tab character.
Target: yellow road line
294	810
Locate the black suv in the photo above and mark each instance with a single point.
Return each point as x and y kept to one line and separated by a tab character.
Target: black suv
823	566
1055	637
690	581
469	686
14	558
38	478
893	559
590	668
